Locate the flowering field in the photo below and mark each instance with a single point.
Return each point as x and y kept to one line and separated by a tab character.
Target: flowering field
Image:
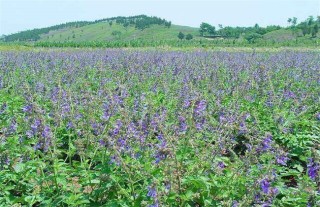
159	128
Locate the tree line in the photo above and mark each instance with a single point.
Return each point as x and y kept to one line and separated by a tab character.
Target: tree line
310	26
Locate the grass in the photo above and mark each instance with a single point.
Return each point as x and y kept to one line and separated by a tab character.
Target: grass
283	35
103	32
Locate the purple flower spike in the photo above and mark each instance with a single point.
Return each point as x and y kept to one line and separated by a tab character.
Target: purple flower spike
318	116
313	168
70	125
200	106
265	185
156	204
221	165
266	143
274	191
282	160
102	142
182	124
235	204
27	108
152	192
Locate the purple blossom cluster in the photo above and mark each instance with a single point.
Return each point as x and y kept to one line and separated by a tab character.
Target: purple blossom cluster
167	115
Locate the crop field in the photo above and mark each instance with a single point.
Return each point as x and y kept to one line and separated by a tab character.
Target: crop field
119	127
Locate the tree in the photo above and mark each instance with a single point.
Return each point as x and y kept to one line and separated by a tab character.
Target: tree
180	35
189	37
142	24
168	24
315	30
305	29
126	25
294	21
310	20
110	23
289	20
252	37
206	28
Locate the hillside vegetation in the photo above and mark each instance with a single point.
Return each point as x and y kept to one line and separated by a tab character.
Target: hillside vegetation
103	31
142	31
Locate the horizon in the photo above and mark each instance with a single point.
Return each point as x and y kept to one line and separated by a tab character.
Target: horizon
46	13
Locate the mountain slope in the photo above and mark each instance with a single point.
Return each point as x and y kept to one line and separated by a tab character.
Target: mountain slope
102	31
109	29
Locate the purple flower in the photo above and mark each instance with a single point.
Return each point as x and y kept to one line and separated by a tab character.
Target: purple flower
102	142
96	128
266	143
274	191
114	160
46	133
29	133
35	125
266	204
156	204
242	128
117	127
161	153
282	160
235	204
122	142
37	146
257	197
70	125
182	124
152	192
167	186
186	104
160	137
222	118
289	94
200	124
65	109
200	106
313	168
106	113
13	126
318	116
3	108
221	165
265	185
248	146
27	108
7	161
78	117
154	122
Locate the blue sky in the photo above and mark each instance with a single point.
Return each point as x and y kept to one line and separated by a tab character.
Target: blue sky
18	15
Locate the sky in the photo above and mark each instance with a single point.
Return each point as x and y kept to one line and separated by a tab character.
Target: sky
19	15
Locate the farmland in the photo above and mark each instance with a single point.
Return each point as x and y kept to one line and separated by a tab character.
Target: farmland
147	127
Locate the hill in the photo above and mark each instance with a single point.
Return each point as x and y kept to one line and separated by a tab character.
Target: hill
109	29
103	31
282	35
